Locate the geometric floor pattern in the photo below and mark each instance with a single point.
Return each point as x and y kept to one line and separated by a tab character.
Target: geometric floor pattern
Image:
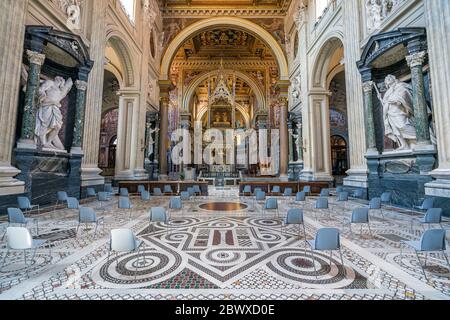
242	254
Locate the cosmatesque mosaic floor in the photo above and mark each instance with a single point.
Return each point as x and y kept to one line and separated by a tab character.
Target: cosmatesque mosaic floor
206	253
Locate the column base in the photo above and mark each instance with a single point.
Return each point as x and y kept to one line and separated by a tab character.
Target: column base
90	176
141	174
76	150
26	144
309	175
8	184
440	191
357	178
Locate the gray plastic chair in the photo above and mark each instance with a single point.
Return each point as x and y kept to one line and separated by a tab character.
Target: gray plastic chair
88	216
125	203
360	216
20	239
431	241
327	239
25	204
61	196
145	195
124	241
158	214
271	204
16	216
433	216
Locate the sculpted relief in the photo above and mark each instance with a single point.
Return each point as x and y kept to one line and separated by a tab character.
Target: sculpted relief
379	10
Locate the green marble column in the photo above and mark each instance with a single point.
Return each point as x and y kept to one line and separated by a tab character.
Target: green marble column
370	124
29	113
291	142
156	146
79	116
300	144
415	62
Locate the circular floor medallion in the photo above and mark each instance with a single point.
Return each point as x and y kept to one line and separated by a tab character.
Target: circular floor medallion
224	206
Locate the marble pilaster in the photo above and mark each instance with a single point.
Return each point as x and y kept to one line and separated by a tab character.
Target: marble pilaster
165	87
291	142
12	21
79	117
284	133
370	122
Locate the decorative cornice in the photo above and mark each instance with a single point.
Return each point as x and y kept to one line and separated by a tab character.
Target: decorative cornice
416	59
36	57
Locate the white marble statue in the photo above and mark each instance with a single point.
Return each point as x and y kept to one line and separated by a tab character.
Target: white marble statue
375	14
398	112
151	141
49	119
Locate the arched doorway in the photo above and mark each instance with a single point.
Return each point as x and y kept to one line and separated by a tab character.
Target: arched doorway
339	160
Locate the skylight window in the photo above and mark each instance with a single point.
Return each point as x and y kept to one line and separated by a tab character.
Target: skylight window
321	6
129	6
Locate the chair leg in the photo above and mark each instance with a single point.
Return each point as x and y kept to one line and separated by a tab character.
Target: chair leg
342	262
4	258
314	265
420	263
446	258
6	231
37	227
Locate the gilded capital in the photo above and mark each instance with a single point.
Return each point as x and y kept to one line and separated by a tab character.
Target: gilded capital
416	59
36	57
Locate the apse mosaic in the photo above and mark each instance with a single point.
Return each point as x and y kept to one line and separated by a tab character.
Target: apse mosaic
223	247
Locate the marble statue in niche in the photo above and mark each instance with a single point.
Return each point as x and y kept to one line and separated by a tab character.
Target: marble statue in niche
378	11
49	119
151	141
398	112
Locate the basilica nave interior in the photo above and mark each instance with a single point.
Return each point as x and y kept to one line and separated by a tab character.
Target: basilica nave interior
224	150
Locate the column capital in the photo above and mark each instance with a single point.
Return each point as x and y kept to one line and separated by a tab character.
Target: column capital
165	86
283	85
368	86
36	57
416	59
81	85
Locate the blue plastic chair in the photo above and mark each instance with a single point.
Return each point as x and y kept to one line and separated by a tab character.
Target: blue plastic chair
295	217
87	216
287	192
175	203
16	216
260	196
428	203
73	203
141	188
91	193
247	191
185	196
327	239
125	203
124	241
432	216
191	191
157	192
358	194
431	241
124	192
386	198
25	204
271	204
276	190
255	192
197	190
321	204
61	196
307	190
145	195
325	192
300	197
158	214
108	188
360	216
168	189
375	204
102	198
339	189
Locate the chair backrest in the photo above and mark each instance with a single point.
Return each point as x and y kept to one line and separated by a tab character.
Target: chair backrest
141	188
360	215
19	238
358	193
167	189
124	192
375	204
294	216
175	203
87	215
157	191
307	189
108	187
24	203
15	215
122	240
158	214
276	189
185	196
191	191
197	189
62	196
343	196
301	196
145	195
91	192
322	203
327	239
271	203
247	189
325	192
102	196
255	192
261	195
386	197
339	189
428	203
287	192
72	203
433	215
433	240
124	203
